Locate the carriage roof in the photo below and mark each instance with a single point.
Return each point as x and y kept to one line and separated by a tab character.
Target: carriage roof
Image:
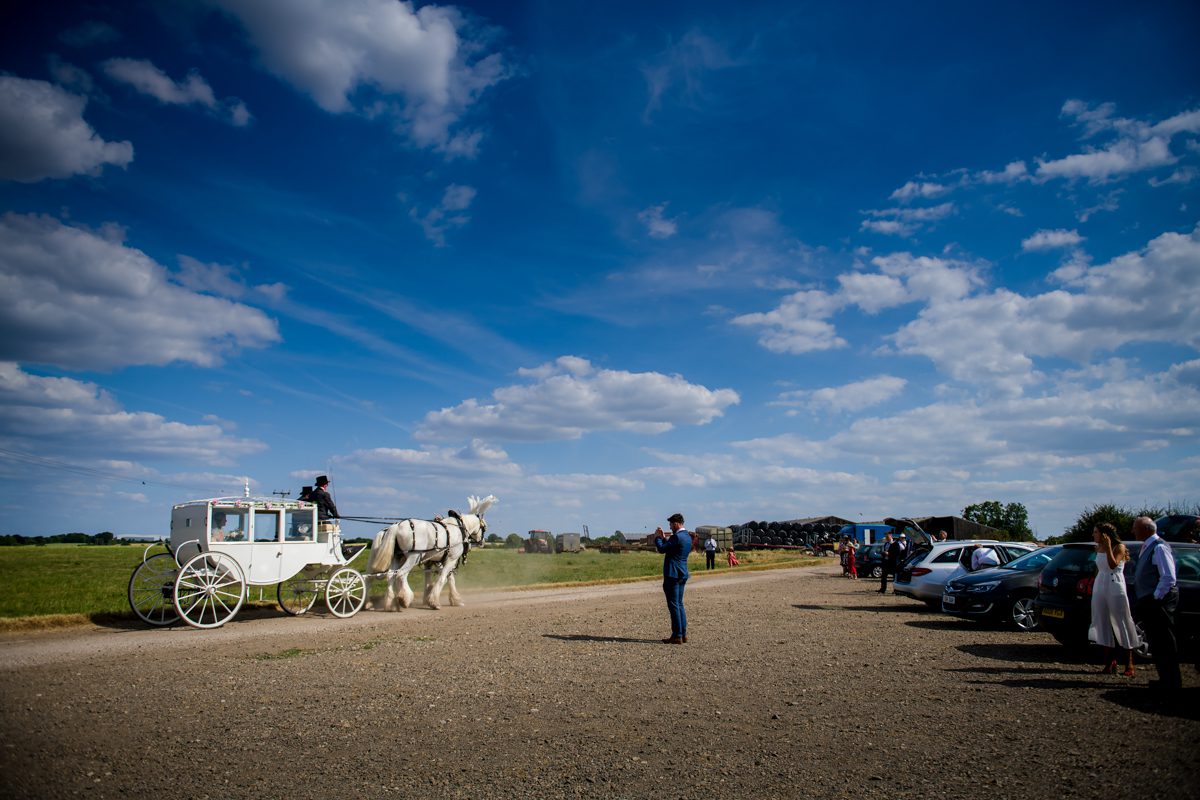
260	503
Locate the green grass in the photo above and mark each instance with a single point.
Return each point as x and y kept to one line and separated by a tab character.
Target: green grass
79	582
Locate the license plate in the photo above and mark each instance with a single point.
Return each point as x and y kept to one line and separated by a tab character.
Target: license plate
947	599
1056	613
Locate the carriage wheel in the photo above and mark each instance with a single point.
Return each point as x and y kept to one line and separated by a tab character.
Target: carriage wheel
210	590
150	590
297	595
346	592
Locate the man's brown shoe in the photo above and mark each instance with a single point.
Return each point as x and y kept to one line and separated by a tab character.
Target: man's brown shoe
685	638
673	640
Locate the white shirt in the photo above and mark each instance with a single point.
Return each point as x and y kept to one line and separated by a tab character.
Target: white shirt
710	545
984	557
1164	559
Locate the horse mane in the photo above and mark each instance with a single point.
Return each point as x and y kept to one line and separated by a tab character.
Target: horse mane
480	505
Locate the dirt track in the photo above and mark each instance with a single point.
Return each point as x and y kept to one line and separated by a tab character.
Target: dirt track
795	683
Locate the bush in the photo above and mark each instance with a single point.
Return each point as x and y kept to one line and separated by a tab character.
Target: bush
1120	517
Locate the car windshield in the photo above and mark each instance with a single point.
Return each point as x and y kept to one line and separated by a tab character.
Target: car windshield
1035	560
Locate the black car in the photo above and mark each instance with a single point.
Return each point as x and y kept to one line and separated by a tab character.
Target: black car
868	560
1005	593
1064	601
1178	527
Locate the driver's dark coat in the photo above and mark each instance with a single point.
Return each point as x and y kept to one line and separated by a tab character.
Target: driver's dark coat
325	507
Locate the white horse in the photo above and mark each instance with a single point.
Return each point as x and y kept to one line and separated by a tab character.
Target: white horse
444	542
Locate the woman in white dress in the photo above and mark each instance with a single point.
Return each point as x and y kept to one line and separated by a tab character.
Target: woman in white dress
1112	625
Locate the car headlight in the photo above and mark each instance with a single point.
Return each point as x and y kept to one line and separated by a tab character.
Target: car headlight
984	587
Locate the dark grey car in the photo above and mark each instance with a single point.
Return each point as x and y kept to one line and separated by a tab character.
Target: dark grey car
1004	594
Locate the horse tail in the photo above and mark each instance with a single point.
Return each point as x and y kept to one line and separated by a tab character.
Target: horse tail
381	550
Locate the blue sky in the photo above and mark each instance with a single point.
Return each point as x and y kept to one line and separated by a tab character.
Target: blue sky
605	261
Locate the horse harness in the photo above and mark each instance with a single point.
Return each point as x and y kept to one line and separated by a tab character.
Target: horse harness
438	522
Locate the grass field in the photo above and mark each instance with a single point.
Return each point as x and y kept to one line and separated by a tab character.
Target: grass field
71	583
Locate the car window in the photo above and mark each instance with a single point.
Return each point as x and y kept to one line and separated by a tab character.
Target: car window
1035	560
948	556
1187	565
1013	552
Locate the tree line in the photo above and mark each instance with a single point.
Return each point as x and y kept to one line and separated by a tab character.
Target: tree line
104	537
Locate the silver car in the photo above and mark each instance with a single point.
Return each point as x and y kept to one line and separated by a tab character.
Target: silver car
923	577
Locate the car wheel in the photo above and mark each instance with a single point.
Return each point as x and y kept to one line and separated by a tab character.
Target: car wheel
1022	615
877	572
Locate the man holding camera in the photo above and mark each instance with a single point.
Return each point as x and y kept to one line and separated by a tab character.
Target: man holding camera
675	547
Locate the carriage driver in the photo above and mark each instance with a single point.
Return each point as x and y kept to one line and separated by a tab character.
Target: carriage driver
327	512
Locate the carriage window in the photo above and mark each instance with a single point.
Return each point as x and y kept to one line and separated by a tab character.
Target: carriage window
229	525
266	526
299	526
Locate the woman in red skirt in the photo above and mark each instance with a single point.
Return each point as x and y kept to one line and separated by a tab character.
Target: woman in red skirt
851	567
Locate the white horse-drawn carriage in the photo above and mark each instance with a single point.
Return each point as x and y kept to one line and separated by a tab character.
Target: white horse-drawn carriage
222	546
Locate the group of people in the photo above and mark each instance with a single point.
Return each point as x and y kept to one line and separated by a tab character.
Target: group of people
1155	597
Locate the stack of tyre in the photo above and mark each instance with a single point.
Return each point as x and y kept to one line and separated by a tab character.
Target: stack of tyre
761	535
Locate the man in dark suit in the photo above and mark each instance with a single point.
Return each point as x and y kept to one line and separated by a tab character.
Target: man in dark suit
675	547
1155	585
891	557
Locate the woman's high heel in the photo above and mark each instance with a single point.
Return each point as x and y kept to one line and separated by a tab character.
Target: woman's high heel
1128	673
1110	669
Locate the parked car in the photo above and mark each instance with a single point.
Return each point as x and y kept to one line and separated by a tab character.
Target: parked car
1178	527
1064	601
868	560
923	576
1004	593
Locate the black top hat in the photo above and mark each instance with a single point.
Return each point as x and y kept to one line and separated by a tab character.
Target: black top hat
321	480
676	518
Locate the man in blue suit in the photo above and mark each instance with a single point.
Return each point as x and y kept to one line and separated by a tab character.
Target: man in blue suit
675	547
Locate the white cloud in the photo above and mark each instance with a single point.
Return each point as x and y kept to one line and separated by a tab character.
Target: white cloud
476	460
1181	176
40	414
1012	172
798	324
904	221
79	299
1147	296
417	65
849	397
194	90
913	190
1052	240
682	68
571	397
448	215
658	226
43	134
1121	157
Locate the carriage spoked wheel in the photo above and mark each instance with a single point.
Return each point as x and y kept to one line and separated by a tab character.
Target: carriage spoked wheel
297	595
345	592
151	590
209	590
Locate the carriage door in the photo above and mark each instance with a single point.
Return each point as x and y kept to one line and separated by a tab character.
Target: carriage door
266	550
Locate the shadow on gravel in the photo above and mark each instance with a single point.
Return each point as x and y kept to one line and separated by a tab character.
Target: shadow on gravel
1043	683
1186	705
1035	652
808	607
580	637
1014	670
942	624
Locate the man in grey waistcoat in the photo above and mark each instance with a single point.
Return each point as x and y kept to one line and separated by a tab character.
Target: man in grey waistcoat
1157	597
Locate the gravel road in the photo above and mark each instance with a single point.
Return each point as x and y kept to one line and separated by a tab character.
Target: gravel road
795	683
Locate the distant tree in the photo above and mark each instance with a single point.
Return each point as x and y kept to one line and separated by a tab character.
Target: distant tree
494	538
1013	518
619	537
1121	518
513	540
104	537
